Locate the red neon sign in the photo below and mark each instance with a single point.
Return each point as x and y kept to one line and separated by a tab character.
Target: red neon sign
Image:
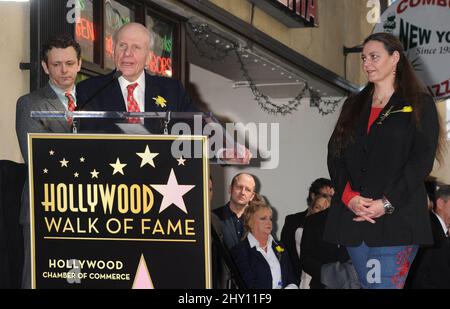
160	65
84	29
109	45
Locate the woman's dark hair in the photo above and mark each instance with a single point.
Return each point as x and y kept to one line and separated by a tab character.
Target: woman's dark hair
406	84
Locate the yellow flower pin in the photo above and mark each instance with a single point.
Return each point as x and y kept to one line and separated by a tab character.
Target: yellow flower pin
160	101
279	249
407	109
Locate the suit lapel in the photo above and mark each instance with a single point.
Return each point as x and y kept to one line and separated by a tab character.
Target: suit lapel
152	91
119	104
52	103
257	254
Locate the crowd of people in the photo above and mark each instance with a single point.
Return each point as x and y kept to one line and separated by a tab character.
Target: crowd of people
373	207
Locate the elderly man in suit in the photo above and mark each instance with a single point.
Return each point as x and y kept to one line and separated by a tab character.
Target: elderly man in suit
129	88
61	61
431	268
133	89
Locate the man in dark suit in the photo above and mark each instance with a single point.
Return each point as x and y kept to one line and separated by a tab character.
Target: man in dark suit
242	191
431	267
130	89
295	221
134	90
61	61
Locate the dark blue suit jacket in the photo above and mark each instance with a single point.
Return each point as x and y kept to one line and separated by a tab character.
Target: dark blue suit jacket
111	98
255	270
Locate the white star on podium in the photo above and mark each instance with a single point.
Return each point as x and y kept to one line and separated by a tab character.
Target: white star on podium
64	162
94	174
147	157
181	161
172	193
118	167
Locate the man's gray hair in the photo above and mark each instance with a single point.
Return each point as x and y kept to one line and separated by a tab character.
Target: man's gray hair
149	34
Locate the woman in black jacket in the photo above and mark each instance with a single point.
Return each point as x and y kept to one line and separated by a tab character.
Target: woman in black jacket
381	150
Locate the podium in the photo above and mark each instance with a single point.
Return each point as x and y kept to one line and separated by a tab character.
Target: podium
125	210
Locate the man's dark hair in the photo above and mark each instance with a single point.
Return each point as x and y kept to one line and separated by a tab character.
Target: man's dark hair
60	41
315	187
443	192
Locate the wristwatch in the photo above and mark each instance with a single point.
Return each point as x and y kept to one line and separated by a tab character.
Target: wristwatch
388	208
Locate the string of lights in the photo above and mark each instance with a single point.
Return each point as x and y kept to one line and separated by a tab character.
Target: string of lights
217	47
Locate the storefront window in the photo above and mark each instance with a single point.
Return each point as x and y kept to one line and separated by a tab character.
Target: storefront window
116	15
161	55
84	29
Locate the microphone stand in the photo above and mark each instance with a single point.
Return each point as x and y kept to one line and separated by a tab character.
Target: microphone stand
116	75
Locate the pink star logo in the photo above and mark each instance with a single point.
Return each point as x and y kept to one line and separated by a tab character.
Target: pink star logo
173	193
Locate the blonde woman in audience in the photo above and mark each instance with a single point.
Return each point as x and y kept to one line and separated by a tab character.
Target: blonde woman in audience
262	262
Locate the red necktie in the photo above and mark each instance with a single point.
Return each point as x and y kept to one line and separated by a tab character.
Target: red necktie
70	106
132	105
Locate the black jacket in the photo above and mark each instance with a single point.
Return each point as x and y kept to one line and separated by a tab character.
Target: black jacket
431	267
392	161
315	251
291	224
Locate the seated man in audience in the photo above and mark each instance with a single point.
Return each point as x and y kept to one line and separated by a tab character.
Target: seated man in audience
431	267
293	224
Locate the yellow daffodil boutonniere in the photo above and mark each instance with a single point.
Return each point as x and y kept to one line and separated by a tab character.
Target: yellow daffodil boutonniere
160	101
279	250
405	109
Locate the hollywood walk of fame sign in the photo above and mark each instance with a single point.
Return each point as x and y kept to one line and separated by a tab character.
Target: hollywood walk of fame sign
118	211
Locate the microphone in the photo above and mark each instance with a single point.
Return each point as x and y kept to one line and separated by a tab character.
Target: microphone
116	75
